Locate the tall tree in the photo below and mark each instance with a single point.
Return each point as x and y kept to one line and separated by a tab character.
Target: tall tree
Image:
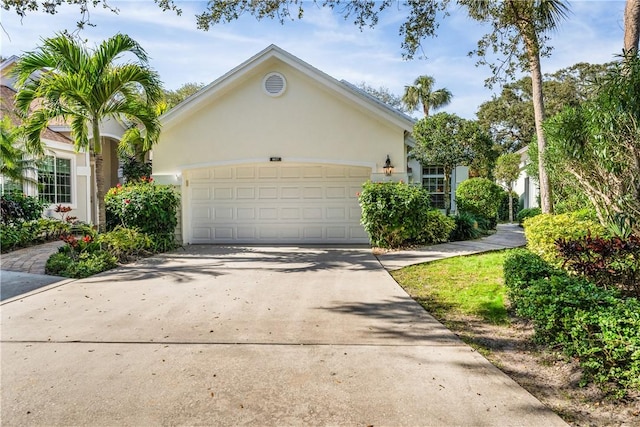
600	144
385	95
507	171
519	33
84	86
509	117
447	140
422	93
175	97
15	163
631	26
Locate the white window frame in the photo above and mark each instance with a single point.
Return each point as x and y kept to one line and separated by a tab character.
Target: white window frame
427	175
73	185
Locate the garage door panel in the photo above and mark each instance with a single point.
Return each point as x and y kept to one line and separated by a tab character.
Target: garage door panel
277	203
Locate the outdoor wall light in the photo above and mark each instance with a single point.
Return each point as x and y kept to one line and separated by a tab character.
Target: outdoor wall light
388	167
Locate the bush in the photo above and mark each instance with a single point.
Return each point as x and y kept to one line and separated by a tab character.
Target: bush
527	213
84	265
544	230
480	197
582	319
397	214
436	229
466	227
126	244
503	211
610	263
15	207
150	208
607	342
522	267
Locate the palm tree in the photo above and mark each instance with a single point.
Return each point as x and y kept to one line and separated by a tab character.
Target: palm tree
65	80
631	26
519	29
422	93
14	162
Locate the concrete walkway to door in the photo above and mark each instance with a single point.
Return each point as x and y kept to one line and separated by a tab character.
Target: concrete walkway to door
246	336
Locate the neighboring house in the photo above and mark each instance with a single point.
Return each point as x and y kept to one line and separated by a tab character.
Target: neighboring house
64	176
276	151
526	187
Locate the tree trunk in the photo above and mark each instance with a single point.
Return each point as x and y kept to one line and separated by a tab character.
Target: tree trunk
447	196
100	193
425	108
538	110
100	184
631	26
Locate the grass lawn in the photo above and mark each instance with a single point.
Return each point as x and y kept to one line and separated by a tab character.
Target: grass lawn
470	285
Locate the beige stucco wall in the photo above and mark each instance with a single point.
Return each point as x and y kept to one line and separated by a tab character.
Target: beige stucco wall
308	123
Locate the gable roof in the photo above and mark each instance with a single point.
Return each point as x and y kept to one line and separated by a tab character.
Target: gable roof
7	109
344	89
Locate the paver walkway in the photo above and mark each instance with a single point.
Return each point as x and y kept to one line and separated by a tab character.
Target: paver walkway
29	260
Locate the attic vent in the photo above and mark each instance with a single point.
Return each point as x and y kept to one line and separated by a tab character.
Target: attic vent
274	84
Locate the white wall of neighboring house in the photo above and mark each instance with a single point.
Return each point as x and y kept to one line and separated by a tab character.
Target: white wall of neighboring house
526	187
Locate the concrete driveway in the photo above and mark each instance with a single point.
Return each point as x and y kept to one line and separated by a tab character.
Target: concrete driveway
253	336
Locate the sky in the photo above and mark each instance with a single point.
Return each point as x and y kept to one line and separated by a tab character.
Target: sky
181	53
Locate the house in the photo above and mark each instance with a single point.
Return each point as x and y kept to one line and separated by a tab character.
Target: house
526	187
276	151
65	177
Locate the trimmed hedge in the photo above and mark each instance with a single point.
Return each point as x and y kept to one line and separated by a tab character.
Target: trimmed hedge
480	197
543	231
588	322
398	214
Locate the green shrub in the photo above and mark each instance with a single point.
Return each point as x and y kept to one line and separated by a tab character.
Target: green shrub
150	208
126	244
397	214
544	230
481	198
527	213
436	229
522	267
552	302
466	227
503	211
86	264
607	342
15	207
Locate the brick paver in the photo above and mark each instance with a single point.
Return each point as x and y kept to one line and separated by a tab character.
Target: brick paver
29	260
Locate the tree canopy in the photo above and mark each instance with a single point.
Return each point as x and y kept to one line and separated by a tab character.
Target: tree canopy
509	117
448	140
175	97
423	93
85	86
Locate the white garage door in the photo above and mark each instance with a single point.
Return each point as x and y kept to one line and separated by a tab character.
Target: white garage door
276	203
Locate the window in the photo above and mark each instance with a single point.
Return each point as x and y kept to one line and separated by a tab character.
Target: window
54	180
7	185
433	182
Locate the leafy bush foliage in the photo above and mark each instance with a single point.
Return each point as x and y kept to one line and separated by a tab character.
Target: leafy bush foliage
134	169
522	267
586	321
21	234
397	214
544	230
466	227
527	213
16	207
126	244
86	264
480	197
610	263
150	208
